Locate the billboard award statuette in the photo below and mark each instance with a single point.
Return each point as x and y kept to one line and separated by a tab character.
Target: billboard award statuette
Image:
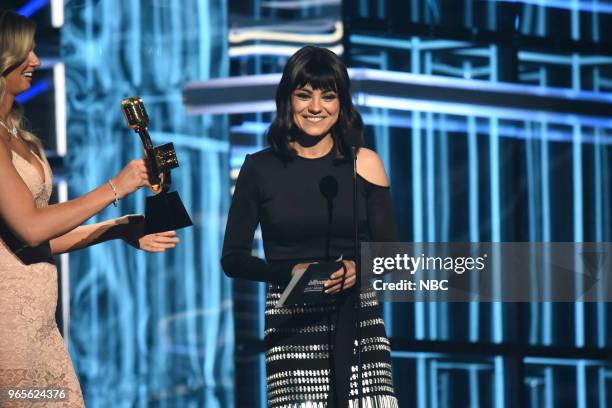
164	211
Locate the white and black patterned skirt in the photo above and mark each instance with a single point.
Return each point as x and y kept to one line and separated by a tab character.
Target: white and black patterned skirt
300	343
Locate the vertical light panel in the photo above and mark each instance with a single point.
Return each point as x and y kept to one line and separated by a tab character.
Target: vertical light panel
433	381
431	211
418	213
62	194
532	204
430	160
541	19
499	382
474	211
445	212
421	368
57	13
497	323
473	177
600	219
473	207
149	327
468	11
549	388
59	84
545	211
497	316
417	185
579	326
445	196
474	389
601	382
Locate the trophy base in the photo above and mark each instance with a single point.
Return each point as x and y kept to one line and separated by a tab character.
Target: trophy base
165	212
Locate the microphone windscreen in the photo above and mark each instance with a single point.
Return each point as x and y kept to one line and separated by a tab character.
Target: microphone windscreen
329	187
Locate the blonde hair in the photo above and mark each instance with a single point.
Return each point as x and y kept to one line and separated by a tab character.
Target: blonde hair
16	41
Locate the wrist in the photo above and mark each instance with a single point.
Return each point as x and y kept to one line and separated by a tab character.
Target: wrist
115	194
113	182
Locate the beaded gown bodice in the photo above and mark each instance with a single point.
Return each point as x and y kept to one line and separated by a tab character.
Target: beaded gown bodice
32	351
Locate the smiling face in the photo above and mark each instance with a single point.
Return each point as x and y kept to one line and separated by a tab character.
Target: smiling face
19	80
315	111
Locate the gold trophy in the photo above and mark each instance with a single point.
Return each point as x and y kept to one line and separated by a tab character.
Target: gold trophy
164	211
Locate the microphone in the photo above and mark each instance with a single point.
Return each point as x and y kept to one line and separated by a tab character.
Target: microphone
328	186
355	141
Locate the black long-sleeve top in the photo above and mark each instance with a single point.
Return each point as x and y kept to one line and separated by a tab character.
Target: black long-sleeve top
305	209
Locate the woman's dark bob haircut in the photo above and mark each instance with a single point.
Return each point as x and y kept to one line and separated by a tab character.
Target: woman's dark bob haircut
323	70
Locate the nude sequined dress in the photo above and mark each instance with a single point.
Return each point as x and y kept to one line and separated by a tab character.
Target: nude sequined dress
33	354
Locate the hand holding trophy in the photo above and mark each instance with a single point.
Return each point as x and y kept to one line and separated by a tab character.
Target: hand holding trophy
164	211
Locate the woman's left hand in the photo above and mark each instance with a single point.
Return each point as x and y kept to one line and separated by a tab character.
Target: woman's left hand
334	283
158	242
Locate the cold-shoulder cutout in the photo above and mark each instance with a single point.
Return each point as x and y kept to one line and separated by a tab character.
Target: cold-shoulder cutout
372	185
370	168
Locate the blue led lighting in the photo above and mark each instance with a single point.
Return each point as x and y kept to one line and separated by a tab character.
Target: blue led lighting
421	385
458	365
32	7
414	354
417	210
433	384
549	389
568	362
601	383
142	323
581	384
446	124
500	400
463	109
477	85
591	7
418	79
36	89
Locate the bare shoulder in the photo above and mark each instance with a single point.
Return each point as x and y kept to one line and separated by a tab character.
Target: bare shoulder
371	168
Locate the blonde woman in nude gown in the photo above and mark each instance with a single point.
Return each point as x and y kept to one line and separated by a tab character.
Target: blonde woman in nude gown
32	352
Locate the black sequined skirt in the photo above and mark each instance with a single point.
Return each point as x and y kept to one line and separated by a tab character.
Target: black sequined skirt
300	351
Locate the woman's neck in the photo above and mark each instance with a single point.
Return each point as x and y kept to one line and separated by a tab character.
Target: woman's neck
320	149
6	107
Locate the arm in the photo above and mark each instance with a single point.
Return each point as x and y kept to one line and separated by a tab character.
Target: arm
128	228
379	207
36	225
242	220
379	210
87	235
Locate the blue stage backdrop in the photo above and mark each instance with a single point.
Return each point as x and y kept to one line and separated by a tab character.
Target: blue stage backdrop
149	330
158	330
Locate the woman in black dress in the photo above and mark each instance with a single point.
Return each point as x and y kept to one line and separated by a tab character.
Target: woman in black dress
300	191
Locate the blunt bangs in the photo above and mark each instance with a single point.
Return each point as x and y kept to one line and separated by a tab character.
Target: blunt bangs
319	76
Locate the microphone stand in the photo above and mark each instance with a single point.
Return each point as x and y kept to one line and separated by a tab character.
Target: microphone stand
357	275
